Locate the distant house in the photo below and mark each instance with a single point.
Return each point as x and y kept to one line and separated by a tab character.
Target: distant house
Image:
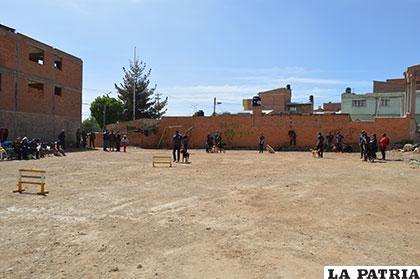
390	98
277	101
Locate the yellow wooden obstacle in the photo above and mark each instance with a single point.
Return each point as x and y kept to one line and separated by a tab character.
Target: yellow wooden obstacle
162	160
36	177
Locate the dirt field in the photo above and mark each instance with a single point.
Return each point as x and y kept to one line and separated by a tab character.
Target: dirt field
233	215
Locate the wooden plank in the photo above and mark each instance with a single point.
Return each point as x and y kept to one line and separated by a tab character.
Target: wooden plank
31	176
30	170
30	182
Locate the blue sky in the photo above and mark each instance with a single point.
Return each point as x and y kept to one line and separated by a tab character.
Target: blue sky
229	49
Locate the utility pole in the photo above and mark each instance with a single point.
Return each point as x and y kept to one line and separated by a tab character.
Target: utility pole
104	116
134	88
214	106
105	110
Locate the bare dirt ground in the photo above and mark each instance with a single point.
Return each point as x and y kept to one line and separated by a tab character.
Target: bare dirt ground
233	215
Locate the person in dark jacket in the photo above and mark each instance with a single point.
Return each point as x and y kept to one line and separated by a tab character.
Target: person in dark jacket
5	134
112	140
366	148
78	137
176	146
62	139
374	145
320	144
105	138
292	137
92	138
362	142
330	139
118	141
261	144
209	143
84	138
339	141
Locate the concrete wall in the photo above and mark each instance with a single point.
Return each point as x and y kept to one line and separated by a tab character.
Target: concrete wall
243	131
38	125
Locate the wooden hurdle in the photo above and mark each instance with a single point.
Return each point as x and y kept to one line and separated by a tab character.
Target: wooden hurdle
162	160
37	176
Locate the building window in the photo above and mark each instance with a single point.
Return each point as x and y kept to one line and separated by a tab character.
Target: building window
58	62
36	88
384	103
36	55
358	103
293	109
57	91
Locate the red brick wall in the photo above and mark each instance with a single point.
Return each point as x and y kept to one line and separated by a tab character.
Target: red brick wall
243	131
390	85
14	57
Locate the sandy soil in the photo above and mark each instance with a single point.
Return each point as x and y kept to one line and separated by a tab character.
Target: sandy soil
233	215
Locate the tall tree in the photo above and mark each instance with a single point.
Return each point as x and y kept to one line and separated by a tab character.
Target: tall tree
148	104
108	109
91	125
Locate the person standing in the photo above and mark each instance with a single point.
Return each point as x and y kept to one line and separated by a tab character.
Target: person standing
292	137
209	143
339	141
320	145
330	139
124	142
92	137
383	144
362	142
78	137
62	139
105	138
112	140
118	141
176	146
5	134
84	138
374	146
261	144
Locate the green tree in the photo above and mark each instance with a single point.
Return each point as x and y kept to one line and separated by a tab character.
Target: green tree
148	104
90	124
108	108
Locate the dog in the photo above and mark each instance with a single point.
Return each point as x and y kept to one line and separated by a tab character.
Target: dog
185	157
315	153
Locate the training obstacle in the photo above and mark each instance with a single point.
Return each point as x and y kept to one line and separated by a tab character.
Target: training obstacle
33	177
162	160
270	149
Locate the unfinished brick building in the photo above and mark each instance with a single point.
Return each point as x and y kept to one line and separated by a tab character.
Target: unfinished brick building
40	87
277	101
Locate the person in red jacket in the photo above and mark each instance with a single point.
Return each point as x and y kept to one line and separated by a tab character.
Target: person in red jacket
383	144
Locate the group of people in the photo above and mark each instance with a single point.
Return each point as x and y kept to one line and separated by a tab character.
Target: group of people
214	143
82	138
25	149
369	146
114	141
180	147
